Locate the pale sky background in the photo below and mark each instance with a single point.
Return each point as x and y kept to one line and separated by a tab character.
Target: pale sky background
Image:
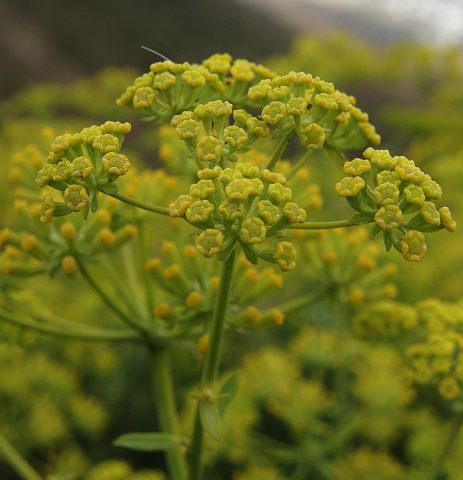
442	20
436	21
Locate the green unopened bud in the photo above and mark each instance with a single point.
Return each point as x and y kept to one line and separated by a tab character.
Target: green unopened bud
350	186
388	176
247	169
285	256
387	194
294	213
382	159
279	92
144	97
431	188
253	231
81	167
61	143
274	112
413	246
178	119
199	211
447	220
218	63
234	136
48	209
242	70
219	108
356	167
260	91
76	197
269	212
280	193
312	137
229	174
272	177
296	106
202	189
409	172
388	217
188	128
258	127
209	242
241	117
44	176
209	149
241	188
209	173
180	206
414	195
61	171
430	214
231	209
194	78
164	80
115	164
106	143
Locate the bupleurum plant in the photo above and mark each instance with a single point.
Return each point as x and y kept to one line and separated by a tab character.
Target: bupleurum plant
233	214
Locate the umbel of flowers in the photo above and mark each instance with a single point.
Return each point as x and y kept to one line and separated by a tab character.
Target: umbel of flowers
235	202
81	165
401	200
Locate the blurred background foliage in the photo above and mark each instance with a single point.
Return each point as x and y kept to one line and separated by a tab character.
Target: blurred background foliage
314	388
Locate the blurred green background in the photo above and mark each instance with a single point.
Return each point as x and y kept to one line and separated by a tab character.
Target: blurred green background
63	64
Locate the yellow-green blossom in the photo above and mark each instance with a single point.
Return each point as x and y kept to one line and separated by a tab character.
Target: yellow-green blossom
413	246
350	186
209	242
253	230
209	149
285	256
388	217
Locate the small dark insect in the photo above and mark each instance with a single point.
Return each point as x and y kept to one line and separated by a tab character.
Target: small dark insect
309	106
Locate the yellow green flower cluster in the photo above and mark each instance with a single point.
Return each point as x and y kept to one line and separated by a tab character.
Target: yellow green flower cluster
345	263
314	109
401	200
80	165
171	88
186	289
436	359
240	205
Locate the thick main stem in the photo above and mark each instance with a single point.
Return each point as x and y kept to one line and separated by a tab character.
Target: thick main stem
211	364
166	409
16	461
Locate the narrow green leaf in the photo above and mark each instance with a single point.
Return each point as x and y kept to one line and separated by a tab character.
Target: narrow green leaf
249	254
210	418
148	442
229	387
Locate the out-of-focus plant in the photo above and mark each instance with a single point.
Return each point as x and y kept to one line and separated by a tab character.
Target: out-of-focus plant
181	260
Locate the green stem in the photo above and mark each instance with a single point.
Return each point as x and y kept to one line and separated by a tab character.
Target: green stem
139	204
110	303
302	301
433	473
299	164
166	409
211	363
16	461
325	225
71	330
279	151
